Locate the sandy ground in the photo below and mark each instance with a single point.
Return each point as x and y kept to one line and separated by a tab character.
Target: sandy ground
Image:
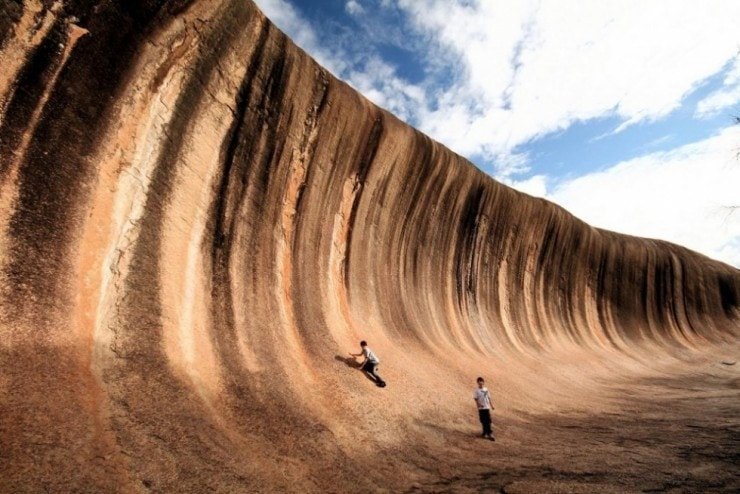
672	434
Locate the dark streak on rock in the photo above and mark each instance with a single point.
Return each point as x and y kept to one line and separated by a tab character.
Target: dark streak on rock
317	105
32	83
235	137
466	274
55	172
366	157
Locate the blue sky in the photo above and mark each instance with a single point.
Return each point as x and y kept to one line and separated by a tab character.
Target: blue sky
619	110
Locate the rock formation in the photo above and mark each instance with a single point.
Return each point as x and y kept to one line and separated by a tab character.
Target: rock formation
198	222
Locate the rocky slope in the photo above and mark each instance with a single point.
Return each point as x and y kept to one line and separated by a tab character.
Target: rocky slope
198	222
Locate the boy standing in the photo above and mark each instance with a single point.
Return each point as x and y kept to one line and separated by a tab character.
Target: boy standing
370	363
483	400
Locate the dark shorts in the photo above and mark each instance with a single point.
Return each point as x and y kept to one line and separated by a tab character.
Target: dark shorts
485	420
369	367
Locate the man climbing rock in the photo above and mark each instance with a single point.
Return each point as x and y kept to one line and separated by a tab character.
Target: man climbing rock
370	364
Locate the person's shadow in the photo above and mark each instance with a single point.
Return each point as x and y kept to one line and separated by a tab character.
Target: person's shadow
351	362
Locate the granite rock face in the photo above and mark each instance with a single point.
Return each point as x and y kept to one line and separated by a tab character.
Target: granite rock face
198	222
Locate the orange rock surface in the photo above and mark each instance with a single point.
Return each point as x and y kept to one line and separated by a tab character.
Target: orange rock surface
198	223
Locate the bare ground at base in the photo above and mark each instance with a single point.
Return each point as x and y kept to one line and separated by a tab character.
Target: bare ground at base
673	434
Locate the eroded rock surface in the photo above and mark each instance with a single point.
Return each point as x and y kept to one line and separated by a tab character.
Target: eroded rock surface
198	222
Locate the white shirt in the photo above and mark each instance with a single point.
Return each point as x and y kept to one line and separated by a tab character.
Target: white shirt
370	356
482	398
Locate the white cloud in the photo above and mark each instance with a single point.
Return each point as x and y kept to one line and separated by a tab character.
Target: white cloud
378	82
534	186
527	68
354	8
725	97
718	101
684	196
